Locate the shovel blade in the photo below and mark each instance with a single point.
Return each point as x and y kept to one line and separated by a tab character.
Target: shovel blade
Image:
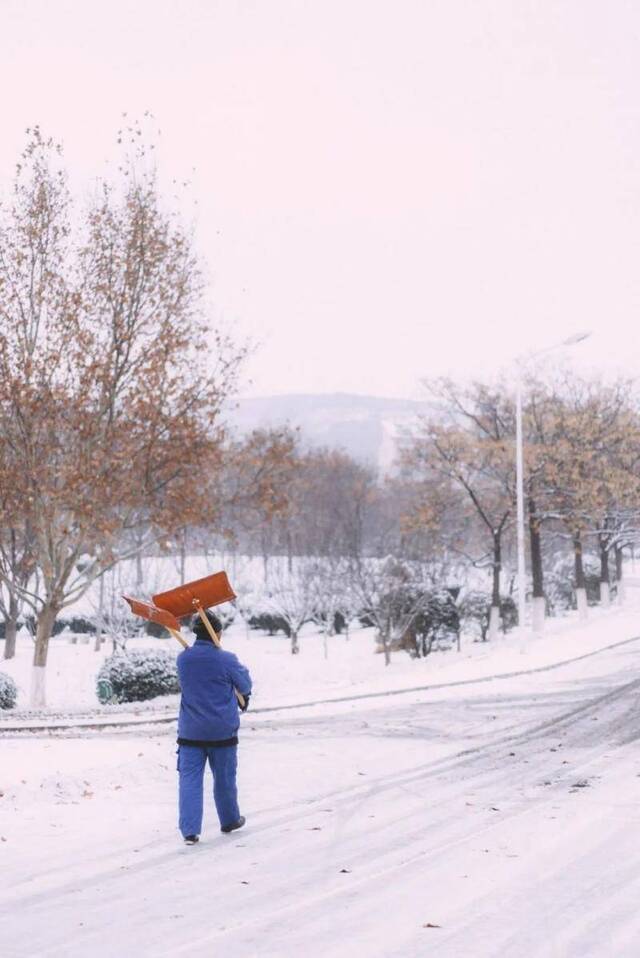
152	614
185	599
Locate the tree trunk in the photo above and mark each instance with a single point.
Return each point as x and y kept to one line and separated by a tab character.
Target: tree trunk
537	576
494	614
605	597
100	628
295	648
11	628
183	556
619	574
289	554
44	628
581	583
386	648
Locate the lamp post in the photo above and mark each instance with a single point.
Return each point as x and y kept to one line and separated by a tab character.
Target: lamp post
571	341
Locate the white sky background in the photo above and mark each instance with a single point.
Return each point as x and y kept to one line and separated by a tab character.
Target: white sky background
386	189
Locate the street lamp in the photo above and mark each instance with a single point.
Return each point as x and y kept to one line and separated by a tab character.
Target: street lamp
571	341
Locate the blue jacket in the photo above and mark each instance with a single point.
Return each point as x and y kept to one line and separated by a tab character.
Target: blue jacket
208	706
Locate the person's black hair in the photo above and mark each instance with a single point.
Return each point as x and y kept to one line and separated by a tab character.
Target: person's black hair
199	628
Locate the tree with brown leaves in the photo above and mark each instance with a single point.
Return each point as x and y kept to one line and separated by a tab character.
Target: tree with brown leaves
110	389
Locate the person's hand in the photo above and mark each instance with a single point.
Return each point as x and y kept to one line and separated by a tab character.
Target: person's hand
243	708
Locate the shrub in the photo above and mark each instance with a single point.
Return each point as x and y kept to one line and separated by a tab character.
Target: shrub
270	623
560	584
155	630
8	691
439	621
139	675
337	622
366	619
77	624
475	609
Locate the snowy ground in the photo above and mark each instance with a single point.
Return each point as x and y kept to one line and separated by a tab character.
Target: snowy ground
503	812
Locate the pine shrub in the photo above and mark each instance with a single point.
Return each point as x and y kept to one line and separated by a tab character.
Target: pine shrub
8	691
475	611
140	675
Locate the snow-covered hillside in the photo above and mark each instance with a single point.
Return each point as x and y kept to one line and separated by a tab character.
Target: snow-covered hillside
367	427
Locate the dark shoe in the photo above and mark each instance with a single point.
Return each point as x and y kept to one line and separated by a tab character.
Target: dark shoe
191	839
231	828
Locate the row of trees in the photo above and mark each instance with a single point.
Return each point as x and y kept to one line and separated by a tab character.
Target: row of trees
113	441
447	515
582	476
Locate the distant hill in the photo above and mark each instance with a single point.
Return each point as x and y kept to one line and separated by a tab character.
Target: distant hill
367	427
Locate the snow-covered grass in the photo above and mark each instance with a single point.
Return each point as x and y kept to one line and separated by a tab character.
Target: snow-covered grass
351	667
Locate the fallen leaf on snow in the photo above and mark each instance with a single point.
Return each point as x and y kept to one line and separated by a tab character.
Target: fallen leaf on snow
430	924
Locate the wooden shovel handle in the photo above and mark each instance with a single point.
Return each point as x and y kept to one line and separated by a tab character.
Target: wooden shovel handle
178	637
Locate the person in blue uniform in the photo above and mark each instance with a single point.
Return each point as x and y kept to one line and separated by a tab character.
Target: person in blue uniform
208	729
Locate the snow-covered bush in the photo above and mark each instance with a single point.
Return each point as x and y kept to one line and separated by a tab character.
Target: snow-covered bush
475	610
438	621
560	584
331	621
139	675
8	691
269	622
77	624
226	614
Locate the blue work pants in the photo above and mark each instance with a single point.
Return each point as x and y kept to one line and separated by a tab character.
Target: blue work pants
223	762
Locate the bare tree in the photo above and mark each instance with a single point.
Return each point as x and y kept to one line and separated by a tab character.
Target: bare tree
391	594
469	446
292	596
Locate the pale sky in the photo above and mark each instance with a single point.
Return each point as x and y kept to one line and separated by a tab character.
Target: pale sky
387	189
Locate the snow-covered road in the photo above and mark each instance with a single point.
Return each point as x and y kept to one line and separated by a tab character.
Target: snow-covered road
506	814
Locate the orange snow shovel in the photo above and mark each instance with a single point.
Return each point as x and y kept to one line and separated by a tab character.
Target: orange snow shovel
198	595
152	614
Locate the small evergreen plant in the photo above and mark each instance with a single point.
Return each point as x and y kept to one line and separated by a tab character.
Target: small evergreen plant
139	675
8	692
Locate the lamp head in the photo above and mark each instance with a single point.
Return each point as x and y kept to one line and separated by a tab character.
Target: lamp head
577	338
